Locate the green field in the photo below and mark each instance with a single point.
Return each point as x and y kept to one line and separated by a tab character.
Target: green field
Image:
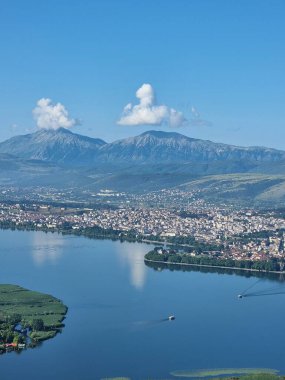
42	313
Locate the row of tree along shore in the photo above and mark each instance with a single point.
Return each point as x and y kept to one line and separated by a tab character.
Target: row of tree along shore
177	258
97	232
205	254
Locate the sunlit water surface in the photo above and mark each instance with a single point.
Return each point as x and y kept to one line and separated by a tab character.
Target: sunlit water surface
117	309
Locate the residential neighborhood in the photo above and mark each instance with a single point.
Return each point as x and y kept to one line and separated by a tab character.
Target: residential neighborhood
240	234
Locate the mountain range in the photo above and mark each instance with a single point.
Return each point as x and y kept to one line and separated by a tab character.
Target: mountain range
150	161
58	146
61	146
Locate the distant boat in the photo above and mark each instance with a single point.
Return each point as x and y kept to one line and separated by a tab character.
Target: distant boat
171	318
240	296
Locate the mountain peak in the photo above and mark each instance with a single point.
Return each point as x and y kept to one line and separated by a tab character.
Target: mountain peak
151	147
155	147
60	146
163	134
54	131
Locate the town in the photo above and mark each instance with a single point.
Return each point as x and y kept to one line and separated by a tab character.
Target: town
236	234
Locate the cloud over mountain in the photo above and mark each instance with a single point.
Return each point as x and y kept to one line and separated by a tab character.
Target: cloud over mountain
52	116
147	112
196	120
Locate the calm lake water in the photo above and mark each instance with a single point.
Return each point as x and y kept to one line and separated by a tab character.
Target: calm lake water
117	304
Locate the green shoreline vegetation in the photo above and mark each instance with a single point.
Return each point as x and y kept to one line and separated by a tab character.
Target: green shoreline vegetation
97	232
28	317
204	373
220	374
257	376
207	255
182	258
43	314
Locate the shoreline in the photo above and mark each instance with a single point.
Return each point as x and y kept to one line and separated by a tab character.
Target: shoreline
214	266
134	240
35	317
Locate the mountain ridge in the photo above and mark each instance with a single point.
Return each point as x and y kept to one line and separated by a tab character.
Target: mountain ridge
59	146
152	161
65	147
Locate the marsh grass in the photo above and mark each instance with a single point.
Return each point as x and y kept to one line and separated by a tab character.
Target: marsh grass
31	305
203	373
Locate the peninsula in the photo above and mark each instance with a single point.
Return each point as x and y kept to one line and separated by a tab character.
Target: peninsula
27	317
182	258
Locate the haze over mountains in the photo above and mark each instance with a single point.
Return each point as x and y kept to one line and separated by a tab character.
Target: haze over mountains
151	161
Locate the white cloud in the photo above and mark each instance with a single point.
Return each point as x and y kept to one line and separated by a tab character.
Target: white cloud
52	116
133	257
148	113
195	112
196	120
176	118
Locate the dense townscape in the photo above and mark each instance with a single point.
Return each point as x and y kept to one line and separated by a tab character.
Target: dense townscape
200	228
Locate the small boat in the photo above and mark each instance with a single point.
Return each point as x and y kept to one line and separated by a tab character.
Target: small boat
171	318
240	296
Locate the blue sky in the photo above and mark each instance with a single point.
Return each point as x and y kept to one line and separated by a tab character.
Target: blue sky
225	58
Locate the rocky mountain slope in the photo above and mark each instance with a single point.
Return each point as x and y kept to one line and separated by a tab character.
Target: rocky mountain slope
169	147
152	147
149	162
59	146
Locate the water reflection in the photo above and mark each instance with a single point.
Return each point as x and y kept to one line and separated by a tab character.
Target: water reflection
132	255
274	277
47	248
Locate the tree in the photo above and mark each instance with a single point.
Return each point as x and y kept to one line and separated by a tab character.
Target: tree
281	245
15	318
37	324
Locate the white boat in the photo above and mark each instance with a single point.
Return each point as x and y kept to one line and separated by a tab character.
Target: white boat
171	317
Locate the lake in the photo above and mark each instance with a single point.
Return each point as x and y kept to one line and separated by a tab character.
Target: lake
116	323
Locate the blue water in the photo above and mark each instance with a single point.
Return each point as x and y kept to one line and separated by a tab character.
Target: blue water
117	305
